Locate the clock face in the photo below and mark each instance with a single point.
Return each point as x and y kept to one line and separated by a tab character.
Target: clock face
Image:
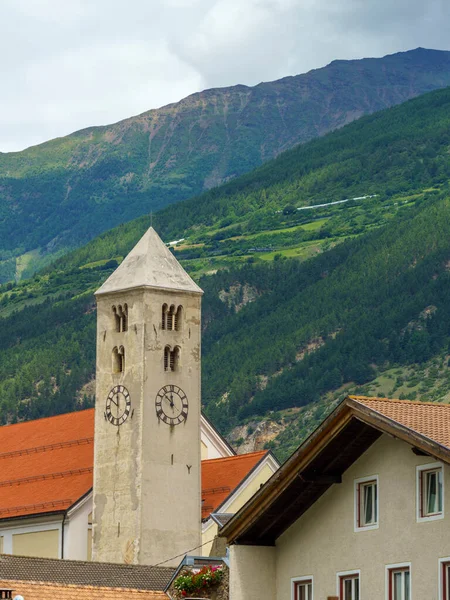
171	405
118	405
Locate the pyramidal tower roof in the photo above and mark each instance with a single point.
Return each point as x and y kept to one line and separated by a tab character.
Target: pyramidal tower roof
150	265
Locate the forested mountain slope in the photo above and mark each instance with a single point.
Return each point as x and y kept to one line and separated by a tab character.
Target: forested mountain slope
284	335
390	155
62	193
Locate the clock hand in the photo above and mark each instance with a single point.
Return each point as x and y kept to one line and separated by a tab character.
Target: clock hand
113	401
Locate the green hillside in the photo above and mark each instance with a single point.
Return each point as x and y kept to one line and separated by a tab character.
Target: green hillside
60	194
368	310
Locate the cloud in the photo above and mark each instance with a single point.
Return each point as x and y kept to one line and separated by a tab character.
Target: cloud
68	65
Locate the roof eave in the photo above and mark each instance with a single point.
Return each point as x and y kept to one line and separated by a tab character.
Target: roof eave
319	439
173	290
281	479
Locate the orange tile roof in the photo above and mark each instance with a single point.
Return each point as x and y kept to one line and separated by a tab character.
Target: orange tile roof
47	465
430	419
221	476
36	590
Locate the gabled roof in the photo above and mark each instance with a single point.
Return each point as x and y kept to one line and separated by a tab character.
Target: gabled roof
149	264
46	465
84	573
429	419
331	449
220	477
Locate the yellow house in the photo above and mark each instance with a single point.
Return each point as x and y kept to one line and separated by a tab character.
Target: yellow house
358	512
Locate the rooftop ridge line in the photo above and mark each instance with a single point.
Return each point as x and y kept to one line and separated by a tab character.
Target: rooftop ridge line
396	400
37	449
57	475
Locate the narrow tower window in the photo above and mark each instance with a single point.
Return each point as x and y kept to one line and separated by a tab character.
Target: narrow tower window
178	318
118	355
171	318
120	317
116	318
175	358
164	317
171	358
124	318
166	358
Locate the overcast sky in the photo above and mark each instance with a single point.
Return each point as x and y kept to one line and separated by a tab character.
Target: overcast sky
68	64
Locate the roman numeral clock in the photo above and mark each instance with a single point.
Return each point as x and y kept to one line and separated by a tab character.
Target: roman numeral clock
171	405
118	405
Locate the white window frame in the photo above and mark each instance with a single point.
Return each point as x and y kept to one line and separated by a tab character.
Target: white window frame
442	562
343	574
306	578
356	484
419	498
389	568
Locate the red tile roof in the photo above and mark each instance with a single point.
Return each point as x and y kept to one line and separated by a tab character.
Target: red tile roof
430	419
46	466
221	476
38	590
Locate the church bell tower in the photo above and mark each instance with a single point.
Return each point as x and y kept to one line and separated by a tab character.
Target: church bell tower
147	478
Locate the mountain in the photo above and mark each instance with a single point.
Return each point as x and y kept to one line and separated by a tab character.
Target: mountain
283	339
60	194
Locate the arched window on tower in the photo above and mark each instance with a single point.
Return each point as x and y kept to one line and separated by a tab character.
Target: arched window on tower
164	316
171	318
171	358
166	358
175	358
118	359
120	317
178	318
116	318
124	318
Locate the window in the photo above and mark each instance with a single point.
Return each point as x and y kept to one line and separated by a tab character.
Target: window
178	318
348	585
120	317
399	582
164	316
118	356
171	358
430	492
366	503
302	588
171	317
444	579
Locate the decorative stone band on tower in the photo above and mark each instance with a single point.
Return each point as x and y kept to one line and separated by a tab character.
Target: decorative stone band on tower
147	498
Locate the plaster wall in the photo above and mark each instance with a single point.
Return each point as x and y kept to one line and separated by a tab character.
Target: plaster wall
76	532
250	488
147	497
204	450
252	573
324	542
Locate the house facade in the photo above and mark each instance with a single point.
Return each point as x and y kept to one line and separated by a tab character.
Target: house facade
359	512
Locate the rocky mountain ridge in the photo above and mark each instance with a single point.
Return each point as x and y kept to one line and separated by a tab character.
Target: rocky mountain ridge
60	194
